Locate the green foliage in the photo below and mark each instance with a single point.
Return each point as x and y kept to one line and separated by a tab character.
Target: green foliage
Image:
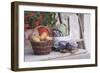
48	18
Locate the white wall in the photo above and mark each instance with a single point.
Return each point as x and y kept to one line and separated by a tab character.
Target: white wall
5	27
87	32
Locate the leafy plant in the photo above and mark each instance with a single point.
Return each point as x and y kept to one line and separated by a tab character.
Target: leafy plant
40	18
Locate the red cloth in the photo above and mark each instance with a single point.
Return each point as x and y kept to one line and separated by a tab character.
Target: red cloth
42	29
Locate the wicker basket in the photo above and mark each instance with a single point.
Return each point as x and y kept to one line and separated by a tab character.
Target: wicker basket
42	47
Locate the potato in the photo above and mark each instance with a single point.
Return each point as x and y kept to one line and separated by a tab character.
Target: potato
42	37
44	34
48	38
36	39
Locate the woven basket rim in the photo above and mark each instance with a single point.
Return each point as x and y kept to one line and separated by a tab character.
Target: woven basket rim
41	41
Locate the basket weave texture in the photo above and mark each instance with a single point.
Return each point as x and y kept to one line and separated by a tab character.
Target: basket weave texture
42	47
